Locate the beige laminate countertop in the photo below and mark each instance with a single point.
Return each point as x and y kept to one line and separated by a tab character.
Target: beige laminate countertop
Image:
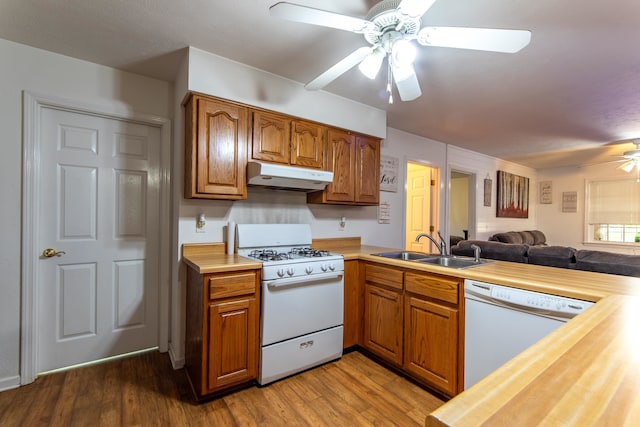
586	373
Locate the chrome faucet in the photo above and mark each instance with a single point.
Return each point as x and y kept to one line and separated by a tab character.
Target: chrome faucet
442	246
476	253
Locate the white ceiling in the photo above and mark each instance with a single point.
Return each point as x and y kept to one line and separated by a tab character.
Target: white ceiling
575	87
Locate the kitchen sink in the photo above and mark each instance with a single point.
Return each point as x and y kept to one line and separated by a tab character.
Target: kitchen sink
404	255
454	262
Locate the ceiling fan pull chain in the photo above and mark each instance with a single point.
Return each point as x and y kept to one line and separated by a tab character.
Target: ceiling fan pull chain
389	87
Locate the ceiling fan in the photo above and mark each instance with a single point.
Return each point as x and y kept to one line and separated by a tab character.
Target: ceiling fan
389	28
631	160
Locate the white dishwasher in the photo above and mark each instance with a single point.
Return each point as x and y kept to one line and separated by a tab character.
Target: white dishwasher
501	322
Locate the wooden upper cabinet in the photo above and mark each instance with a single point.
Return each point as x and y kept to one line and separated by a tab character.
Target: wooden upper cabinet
307	144
355	163
271	138
215	149
367	177
281	139
341	150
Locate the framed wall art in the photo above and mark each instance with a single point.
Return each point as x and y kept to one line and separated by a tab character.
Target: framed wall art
388	173
546	191
487	191
569	201
513	196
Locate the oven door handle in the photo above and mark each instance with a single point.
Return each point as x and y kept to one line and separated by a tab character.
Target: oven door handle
303	280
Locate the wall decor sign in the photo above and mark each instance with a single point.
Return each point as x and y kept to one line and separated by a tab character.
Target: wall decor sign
487	191
545	192
570	201
388	173
513	196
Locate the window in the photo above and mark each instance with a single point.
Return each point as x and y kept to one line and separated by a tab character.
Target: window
613	211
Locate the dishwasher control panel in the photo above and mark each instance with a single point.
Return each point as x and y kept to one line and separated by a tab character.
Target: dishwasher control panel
525	300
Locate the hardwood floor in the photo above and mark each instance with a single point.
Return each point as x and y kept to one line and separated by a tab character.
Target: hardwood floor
145	391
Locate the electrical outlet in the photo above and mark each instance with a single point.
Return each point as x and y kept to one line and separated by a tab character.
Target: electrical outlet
342	222
201	223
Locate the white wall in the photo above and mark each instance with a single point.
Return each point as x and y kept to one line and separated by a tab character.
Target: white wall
567	229
215	75
28	69
486	167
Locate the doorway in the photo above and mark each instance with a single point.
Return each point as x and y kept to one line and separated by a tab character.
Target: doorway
461	206
422	208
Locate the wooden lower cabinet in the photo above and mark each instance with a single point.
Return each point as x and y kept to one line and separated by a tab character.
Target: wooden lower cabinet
412	320
223	327
432	329
382	325
431	343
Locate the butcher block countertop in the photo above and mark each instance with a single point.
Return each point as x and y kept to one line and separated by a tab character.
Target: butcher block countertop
586	373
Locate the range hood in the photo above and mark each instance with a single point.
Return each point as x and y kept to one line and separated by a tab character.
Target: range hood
287	177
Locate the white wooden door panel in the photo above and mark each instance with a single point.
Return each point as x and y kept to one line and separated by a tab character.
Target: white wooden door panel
99	204
418	207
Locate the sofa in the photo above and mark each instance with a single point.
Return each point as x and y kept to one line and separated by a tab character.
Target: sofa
536	251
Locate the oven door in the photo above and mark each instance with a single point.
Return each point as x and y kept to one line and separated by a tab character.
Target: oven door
292	307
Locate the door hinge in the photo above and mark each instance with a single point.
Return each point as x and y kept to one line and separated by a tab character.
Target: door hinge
433	182
432	228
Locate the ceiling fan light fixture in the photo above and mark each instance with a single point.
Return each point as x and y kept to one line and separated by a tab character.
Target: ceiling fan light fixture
403	51
630	165
402	72
372	63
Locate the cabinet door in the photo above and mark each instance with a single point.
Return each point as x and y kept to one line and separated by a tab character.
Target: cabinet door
215	149
270	139
382	332
341	150
233	342
307	144
367	173
352	304
431	343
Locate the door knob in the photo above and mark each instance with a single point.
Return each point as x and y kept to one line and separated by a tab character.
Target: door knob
50	252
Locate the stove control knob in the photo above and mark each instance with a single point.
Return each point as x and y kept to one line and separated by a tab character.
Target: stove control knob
308	269
280	272
290	271
324	267
332	267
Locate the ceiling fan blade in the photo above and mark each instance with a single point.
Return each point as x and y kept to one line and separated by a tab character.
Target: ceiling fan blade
415	8
341	67
406	82
309	15
507	41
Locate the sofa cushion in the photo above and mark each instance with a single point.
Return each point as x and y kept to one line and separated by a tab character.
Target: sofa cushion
527	237
608	262
492	250
553	256
508	237
538	237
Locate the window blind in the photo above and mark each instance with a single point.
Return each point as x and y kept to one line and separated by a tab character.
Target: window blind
614	202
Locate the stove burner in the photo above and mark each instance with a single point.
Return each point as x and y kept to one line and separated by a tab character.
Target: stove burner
309	252
269	255
274	255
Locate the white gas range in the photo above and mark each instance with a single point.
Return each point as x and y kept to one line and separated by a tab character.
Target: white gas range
302	298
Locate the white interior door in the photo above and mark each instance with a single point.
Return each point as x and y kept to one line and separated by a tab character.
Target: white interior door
98	206
418	217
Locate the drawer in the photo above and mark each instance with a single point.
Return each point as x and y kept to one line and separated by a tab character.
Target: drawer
384	276
438	287
230	285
